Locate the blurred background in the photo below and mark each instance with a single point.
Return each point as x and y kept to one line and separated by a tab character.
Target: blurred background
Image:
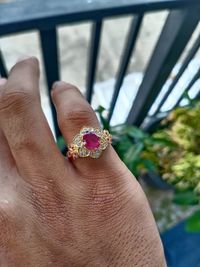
138	63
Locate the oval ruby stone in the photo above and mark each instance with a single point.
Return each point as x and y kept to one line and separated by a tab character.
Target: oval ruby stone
92	141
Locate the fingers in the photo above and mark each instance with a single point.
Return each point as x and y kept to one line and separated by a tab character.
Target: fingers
73	109
73	113
2	81
6	159
23	122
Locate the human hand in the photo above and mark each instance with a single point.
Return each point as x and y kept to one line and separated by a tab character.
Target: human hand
90	213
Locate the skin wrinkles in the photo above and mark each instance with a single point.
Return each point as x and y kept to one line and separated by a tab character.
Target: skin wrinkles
54	212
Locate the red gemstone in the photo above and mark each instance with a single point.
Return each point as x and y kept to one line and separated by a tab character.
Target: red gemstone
92	141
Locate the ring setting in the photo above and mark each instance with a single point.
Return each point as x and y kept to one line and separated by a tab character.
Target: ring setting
90	142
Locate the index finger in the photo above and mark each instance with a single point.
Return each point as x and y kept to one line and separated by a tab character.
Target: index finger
24	124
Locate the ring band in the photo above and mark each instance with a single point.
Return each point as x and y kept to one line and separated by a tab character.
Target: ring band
90	142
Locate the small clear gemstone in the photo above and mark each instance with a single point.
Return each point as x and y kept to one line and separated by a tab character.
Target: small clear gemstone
86	130
78	140
95	153
92	141
98	132
83	152
104	143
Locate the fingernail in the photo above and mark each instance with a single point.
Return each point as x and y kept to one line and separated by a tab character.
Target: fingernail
57	83
2	81
22	58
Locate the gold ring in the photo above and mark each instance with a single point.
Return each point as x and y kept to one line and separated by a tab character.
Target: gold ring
90	142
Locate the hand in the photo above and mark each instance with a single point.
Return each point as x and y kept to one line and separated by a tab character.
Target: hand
90	213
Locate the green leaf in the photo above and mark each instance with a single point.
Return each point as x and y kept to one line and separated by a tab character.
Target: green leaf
119	130
122	146
103	120
128	157
130	130
105	123
100	109
61	143
159	141
137	133
133	152
185	198
134	166
149	165
193	223
187	96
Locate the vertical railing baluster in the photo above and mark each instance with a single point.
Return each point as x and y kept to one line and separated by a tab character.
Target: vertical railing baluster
185	63
3	71
50	56
176	33
198	95
126	55
191	83
93	58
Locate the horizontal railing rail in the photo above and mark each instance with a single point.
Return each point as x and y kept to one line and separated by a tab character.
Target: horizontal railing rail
45	16
20	15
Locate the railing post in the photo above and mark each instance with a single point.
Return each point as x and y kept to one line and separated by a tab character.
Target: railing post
93	58
3	70
128	50
50	56
191	83
175	35
183	67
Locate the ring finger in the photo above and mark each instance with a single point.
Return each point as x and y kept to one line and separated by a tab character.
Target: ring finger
74	113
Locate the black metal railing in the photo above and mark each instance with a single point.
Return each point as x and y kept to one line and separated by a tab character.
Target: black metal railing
46	16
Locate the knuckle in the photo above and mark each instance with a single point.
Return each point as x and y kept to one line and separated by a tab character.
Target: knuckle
5	225
3	219
49	205
43	192
23	142
108	197
78	116
15	100
103	196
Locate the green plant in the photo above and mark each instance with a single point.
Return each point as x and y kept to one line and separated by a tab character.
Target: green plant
132	145
172	152
180	164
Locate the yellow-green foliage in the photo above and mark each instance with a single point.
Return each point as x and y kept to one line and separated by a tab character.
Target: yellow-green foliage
185	130
187	169
180	164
